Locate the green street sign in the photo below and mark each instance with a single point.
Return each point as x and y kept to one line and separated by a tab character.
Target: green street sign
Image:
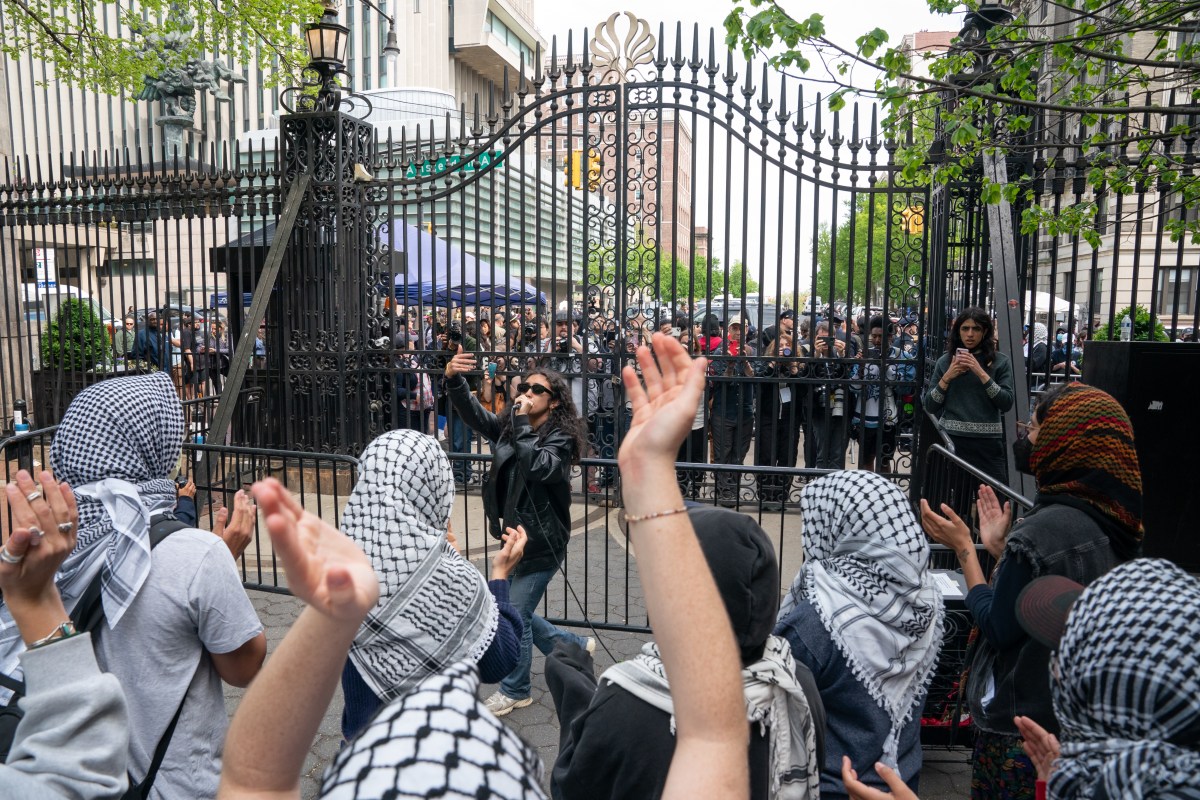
455	163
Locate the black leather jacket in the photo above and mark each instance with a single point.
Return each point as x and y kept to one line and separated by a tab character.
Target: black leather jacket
529	482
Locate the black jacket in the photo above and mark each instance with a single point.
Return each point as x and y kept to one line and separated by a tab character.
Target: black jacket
529	482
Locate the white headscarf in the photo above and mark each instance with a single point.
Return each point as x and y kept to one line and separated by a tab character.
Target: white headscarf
866	573
116	446
434	607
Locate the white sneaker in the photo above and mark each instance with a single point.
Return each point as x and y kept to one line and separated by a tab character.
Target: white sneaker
590	645
500	703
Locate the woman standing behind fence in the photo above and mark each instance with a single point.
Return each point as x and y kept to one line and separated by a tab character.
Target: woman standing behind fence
971	406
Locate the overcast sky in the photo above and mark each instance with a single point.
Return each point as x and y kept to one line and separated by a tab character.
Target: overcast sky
753	232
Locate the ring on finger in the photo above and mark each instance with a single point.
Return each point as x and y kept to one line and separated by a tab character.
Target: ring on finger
65	527
35	536
9	558
36	494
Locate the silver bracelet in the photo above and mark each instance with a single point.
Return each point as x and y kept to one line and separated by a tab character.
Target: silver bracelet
63	630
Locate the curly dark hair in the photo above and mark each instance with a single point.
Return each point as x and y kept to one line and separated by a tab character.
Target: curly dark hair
563	417
985	354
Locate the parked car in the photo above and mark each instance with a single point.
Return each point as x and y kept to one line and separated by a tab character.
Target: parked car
39	305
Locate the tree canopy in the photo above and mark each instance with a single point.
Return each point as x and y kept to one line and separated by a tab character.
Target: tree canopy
1113	82
854	259
111	46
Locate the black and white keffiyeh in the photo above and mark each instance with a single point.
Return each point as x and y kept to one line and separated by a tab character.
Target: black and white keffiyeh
866	573
116	446
438	740
1127	692
434	606
774	700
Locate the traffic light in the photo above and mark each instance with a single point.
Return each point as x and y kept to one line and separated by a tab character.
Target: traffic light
593	170
573	169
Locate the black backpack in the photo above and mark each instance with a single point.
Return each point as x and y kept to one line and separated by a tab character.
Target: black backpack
88	615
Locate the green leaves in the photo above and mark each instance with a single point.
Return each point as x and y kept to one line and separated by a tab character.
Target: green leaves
111	48
76	339
1098	68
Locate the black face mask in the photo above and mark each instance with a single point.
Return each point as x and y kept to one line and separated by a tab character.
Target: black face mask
1022	452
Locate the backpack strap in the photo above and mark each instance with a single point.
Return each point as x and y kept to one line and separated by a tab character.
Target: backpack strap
141	789
89	611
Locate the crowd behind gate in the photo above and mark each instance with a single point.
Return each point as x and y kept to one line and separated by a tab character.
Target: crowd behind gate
120	618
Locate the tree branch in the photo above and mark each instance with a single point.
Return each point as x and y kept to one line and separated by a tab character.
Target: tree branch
53	34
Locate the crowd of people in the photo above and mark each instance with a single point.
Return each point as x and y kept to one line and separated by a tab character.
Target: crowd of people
119	622
800	390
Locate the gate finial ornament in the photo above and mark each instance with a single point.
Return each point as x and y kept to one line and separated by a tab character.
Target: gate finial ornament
616	60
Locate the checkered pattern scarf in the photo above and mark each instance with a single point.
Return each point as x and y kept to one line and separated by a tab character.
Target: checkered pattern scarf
437	740
866	573
1128	688
117	445
434	607
1085	454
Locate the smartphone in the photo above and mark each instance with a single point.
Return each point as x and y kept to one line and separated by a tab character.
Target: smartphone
962	351
491	369
676	332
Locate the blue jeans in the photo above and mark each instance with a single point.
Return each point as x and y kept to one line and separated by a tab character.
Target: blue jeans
525	592
461	439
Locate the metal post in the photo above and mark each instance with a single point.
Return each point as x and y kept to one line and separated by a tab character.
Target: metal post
1006	288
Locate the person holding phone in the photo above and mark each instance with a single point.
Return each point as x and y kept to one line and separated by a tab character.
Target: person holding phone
970	390
534	445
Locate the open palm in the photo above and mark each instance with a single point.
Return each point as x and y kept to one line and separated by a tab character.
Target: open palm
324	568
664	409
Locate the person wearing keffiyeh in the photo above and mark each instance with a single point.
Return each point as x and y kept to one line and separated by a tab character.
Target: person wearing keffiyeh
1086	520
617	735
434	607
864	615
177	620
1126	683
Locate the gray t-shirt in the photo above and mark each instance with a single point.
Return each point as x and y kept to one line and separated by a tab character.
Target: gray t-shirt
191	604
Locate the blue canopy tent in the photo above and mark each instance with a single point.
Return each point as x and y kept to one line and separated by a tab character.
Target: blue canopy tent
432	271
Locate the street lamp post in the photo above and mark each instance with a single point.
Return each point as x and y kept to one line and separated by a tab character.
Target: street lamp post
324	295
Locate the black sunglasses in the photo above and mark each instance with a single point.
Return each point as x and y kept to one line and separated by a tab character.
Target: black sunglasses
536	388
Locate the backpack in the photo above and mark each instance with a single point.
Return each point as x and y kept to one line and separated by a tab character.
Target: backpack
88	615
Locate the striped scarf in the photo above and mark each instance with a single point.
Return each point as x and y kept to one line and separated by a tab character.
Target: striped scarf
1085	456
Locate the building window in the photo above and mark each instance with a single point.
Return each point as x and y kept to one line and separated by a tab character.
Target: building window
128	268
1177	291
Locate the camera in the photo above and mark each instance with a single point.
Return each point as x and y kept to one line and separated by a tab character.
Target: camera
529	333
454	333
563	345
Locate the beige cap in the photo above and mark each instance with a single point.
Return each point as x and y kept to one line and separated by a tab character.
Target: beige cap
741	323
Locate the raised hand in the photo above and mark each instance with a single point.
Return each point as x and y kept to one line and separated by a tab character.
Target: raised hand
949	530
460	363
237	529
994	520
324	568
662	411
45	527
1040	745
510	555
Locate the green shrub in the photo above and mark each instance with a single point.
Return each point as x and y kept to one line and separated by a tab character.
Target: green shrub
76	339
1141	327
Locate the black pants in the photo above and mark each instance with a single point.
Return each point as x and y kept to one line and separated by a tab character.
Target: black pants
731	442
777	445
694	450
986	455
873	456
832	435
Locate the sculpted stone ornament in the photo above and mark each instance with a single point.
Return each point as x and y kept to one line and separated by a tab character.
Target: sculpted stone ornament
177	86
616	58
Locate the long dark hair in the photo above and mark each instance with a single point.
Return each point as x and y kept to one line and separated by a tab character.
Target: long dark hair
985	354
563	417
